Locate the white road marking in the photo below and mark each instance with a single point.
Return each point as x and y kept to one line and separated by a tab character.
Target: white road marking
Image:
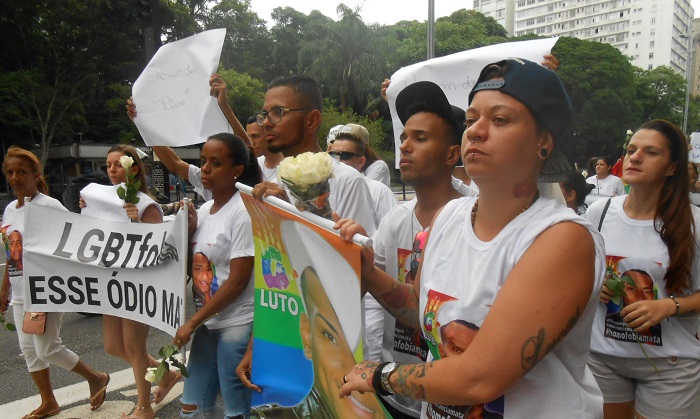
79	393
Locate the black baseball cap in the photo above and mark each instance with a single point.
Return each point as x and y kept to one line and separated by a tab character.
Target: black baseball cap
542	91
433	95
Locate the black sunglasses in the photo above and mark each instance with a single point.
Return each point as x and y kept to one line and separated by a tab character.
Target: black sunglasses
343	155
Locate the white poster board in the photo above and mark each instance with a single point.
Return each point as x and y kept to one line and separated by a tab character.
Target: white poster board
172	93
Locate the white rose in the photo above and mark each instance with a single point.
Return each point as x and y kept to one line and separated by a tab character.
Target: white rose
306	168
126	162
150	375
629	132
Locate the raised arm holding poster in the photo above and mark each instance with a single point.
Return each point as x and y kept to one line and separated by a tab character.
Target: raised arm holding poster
172	92
457	73
308	321
132	270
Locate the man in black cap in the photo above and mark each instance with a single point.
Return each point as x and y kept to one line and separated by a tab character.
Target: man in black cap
430	148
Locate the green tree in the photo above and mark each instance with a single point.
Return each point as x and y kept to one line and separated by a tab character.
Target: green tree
661	94
600	82
245	93
461	31
248	43
63	60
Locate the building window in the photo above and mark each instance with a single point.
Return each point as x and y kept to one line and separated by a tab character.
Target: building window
651	55
651	44
651	67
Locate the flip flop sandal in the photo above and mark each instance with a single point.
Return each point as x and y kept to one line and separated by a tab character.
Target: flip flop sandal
101	392
163	391
133	416
34	415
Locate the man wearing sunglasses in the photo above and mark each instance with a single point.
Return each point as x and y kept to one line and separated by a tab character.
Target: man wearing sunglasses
430	148
291	118
349	148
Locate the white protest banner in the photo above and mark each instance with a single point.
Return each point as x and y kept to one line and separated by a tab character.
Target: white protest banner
73	262
457	73
694	153
172	93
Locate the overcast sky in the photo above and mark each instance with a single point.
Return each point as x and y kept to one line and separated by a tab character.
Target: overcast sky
378	11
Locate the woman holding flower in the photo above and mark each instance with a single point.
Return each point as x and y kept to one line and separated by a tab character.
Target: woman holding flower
24	174
221	232
644	350
124	338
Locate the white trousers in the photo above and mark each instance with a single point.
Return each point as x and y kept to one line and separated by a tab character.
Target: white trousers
40	351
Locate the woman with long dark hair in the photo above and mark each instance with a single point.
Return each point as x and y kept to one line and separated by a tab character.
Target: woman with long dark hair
644	350
25	175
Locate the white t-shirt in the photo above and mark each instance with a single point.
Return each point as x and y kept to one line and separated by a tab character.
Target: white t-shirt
383	199
268	175
610	186
464	189
636	245
13	220
194	176
379	171
393	253
221	237
462	276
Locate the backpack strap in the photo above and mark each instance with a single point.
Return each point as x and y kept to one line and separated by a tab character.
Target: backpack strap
602	216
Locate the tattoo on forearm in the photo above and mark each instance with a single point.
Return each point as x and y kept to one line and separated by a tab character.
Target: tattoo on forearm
408	380
531	351
402	303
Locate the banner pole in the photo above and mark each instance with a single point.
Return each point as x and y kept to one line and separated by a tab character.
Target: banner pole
326	224
183	309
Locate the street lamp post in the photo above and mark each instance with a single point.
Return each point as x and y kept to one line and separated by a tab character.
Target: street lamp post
431	29
688	75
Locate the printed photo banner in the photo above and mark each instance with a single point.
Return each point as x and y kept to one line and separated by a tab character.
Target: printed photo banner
73	262
457	73
172	93
308	316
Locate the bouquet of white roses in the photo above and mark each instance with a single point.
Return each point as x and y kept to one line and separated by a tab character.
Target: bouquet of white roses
306	176
132	185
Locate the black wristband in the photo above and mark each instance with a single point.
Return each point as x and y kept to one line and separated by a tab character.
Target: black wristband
377	380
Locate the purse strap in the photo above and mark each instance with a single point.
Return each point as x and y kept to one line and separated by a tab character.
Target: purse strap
602	216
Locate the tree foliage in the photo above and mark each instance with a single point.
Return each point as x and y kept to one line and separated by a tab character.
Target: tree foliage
600	82
67	68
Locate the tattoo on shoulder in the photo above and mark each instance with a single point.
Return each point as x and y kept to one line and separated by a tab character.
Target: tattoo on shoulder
533	349
408	380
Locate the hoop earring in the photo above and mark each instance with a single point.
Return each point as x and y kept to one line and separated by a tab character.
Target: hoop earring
544	153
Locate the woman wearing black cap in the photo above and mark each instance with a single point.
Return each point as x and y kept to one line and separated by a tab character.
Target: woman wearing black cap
524	269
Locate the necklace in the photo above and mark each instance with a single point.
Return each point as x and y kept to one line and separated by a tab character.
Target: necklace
475	208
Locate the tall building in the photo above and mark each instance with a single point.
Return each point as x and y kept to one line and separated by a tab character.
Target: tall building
652	32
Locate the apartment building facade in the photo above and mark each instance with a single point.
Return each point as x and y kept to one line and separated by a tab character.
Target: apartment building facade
651	32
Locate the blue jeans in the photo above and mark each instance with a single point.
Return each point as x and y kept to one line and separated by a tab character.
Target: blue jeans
214	356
